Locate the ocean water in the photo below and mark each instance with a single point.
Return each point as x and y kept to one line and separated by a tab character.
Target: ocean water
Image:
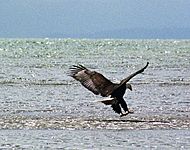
43	108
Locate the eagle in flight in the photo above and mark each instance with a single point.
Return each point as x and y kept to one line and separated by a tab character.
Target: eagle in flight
100	85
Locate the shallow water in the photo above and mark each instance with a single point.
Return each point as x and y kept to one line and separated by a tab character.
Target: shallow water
95	139
38	99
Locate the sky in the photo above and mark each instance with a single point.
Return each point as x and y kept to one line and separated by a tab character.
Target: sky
95	18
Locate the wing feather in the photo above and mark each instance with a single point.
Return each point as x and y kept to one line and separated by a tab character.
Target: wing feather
124	81
92	80
83	75
134	74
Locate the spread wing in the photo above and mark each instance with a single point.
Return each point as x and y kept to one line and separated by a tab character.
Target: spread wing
134	74
92	80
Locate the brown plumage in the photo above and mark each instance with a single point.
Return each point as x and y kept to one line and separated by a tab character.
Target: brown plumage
100	85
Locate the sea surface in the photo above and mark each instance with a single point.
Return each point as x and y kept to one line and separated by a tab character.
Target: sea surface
41	107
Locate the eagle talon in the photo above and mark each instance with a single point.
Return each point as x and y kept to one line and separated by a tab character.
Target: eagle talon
121	115
125	114
130	111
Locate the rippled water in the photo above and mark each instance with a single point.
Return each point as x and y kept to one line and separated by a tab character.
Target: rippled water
44	108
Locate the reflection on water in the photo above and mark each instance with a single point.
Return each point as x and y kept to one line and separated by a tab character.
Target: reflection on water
36	93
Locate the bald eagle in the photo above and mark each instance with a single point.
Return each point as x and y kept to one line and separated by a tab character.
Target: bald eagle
100	85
